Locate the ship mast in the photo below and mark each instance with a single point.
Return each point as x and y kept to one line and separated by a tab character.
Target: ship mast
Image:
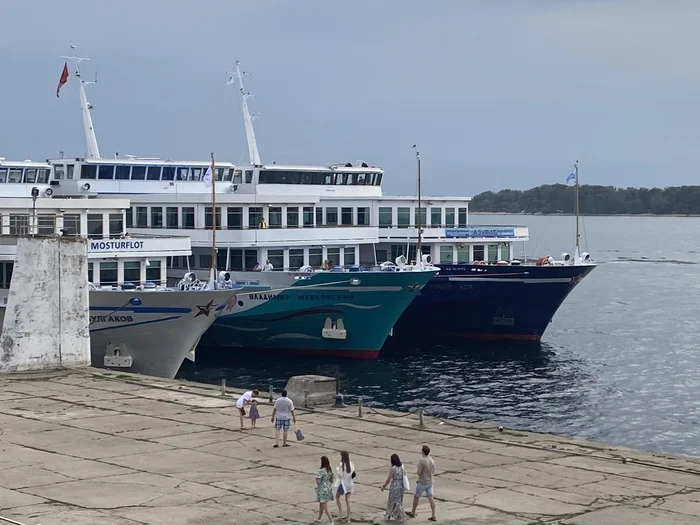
93	151
253	152
420	214
577	254
212	276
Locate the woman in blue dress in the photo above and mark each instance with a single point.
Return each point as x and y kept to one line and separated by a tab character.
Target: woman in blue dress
394	507
324	489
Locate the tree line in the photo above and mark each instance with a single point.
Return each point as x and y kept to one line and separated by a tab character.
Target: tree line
594	200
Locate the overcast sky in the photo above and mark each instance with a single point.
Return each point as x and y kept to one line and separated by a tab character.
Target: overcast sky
496	94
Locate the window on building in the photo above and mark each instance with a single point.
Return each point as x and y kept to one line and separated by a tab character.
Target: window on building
493	252
462	216
153	271
141	217
449	217
420	217
156	217
132	272
172	215
363	216
116	224
315	257
292	216
130	218
275	214
331	216
19	224
334	256
234	216
385	217
71	224
108	273
255	216
479	252
463	254
296	258
188	218
208	218
46	225
276	258
346	216
435	217
446	254
404	217
95	227
308	215
319	216
349	256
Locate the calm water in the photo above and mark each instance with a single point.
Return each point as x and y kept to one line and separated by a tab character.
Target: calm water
619	364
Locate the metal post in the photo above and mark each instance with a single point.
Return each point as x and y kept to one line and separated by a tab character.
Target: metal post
223	387
421	423
339	401
359	407
271	392
306	399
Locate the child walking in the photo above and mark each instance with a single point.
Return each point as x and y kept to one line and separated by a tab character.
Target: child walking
254	414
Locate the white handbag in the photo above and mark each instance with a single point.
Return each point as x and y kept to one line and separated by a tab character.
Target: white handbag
406	484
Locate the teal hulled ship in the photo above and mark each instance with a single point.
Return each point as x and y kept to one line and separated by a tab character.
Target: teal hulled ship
331	313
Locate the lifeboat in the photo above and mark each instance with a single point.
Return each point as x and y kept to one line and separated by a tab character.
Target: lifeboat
542	261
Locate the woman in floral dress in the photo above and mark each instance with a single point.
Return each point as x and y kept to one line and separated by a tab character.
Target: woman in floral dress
394	507
324	489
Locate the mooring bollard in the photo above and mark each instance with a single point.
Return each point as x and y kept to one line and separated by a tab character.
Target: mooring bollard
359	406
223	387
271	392
421	423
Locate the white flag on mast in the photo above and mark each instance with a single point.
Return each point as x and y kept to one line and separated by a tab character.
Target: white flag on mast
207	177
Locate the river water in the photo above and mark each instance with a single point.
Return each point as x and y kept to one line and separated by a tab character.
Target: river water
619	364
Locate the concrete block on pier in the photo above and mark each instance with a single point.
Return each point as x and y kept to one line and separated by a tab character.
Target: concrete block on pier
46	322
311	390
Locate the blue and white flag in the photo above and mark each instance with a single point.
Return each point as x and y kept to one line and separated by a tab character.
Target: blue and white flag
572	176
207	179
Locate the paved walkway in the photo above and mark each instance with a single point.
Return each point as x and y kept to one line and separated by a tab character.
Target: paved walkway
102	448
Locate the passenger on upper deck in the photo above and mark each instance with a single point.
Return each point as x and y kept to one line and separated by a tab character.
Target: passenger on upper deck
268	266
263	224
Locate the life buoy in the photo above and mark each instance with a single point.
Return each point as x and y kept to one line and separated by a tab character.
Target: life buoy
479	262
542	261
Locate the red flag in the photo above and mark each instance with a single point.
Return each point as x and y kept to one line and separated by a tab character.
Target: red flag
63	79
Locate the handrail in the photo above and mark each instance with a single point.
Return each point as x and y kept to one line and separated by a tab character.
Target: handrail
8	520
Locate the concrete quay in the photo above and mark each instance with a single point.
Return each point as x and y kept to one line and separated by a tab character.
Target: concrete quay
97	447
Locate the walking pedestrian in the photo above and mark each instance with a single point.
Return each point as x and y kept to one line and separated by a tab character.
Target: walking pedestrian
324	489
424	485
394	506
245	399
282	416
346	474
254	415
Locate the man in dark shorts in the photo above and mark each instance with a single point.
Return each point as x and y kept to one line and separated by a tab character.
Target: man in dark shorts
282	416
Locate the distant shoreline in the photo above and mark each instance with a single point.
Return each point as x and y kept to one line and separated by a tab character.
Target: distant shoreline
588	214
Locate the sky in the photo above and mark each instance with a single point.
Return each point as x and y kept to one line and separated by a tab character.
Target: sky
504	94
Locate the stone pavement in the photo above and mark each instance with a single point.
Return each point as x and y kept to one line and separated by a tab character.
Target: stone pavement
104	448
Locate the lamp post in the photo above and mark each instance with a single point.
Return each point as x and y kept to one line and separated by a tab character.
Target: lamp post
35	195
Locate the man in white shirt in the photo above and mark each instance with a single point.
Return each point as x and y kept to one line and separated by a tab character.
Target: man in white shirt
282	413
268	266
245	399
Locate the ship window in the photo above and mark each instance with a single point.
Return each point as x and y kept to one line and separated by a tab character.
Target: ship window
188	218
363	216
420	217
95	227
116	224
346	216
329	178
379	179
105	172
138	173
334	256
275	214
234	216
404	217
122	172
446	254
249	176
361	179
221	256
141	217
493	252
108	272
88	171
153	271
30	175
195	173
349	256
236	259
228	174
70	168
171	216
219	174
3	175
132	272
19	224
156	217
308	218
319	216
250	259
57	172
315	257
255	216
479	252
435	217
450	218
43	176
15	175
130	218
205	260
208	217
505	252
350	178
462	217
237	177
340	178
153	173
463	254
182	173
71	224
168	173
6	274
46	225
385	216
90	272
293	217
276	258
331	216
296	258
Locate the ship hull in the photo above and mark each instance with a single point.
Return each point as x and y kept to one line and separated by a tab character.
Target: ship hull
157	329
291	317
489	302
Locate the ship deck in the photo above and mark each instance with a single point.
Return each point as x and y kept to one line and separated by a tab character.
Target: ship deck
89	446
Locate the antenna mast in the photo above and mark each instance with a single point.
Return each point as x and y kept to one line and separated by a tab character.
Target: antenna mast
420	212
578	235
253	152
93	151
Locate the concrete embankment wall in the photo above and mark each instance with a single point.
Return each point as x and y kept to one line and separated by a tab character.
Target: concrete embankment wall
46	322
